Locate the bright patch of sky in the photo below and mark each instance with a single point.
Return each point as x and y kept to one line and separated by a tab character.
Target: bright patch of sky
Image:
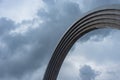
19	10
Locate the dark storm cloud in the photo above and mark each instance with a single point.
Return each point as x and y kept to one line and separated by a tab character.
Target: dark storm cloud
87	73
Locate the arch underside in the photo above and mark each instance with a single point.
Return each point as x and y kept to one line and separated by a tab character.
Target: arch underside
102	18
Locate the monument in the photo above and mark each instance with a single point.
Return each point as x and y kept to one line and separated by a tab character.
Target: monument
108	16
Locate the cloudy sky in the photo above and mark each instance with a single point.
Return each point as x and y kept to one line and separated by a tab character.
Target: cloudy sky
31	29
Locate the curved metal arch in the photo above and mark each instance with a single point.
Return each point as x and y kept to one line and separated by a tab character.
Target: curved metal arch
100	18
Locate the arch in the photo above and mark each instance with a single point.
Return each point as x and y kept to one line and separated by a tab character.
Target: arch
99	18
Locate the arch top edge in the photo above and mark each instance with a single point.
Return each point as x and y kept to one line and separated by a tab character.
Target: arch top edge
105	7
98	9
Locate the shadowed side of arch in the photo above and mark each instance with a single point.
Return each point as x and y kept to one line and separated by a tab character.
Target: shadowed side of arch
101	18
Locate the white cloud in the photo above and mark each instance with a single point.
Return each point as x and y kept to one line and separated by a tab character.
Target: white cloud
19	10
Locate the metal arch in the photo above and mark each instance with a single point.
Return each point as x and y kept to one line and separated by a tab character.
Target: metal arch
99	18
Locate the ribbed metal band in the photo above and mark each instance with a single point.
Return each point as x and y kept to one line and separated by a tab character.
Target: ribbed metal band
99	18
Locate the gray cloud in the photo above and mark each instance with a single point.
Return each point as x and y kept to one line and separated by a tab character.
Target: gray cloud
100	49
87	73
91	4
100	33
25	53
6	25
